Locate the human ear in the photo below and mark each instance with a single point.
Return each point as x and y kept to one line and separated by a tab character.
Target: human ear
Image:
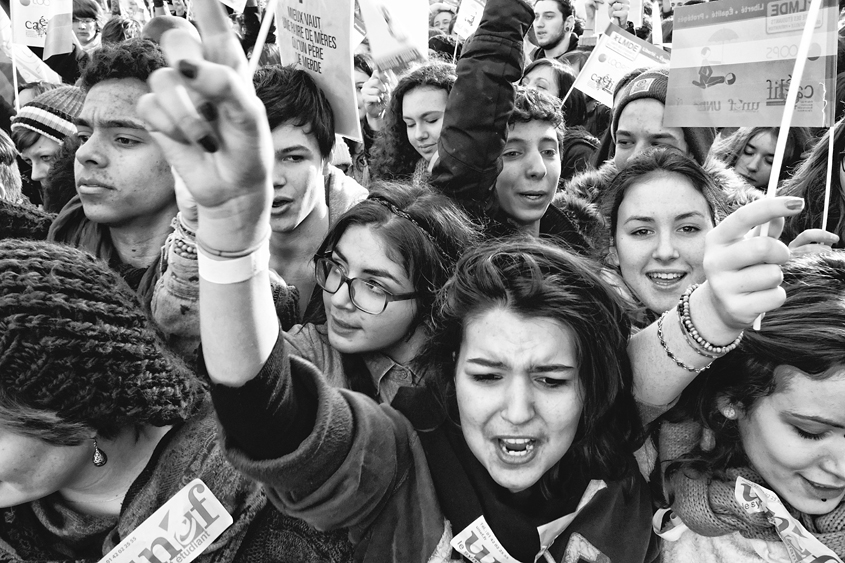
613	255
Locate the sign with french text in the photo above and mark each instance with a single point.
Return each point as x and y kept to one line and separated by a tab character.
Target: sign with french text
317	36
616	53
43	23
469	14
732	64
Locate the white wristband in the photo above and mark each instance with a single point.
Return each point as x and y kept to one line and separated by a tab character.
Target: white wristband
234	270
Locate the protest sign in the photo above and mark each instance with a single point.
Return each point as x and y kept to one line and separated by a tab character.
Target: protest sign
398	31
29	66
317	37
469	14
43	23
236	5
732	64
616	53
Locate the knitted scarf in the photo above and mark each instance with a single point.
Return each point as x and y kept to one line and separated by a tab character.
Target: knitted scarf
708	507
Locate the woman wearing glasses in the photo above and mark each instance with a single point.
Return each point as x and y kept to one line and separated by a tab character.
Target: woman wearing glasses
379	268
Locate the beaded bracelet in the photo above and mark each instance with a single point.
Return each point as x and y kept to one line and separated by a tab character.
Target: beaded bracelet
669	352
691	342
689	327
184	248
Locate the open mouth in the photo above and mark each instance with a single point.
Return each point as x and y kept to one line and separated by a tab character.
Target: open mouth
665	278
517	447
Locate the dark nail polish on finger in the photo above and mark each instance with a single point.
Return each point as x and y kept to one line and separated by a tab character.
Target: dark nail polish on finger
208	111
187	69
208	143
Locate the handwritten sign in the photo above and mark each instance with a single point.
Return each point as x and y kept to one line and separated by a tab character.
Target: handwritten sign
616	53
317	37
469	14
398	31
732	62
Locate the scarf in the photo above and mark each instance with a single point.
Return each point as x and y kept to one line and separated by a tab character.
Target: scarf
616	521
709	508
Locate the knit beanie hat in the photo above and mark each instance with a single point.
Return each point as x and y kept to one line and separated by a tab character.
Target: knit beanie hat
75	344
52	113
653	84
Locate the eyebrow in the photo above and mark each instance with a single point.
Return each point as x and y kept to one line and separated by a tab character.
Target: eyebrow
111	124
370	271
291	149
755	148
426	114
817	419
495	364
681	217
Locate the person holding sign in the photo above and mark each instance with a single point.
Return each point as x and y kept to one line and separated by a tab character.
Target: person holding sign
762	430
100	426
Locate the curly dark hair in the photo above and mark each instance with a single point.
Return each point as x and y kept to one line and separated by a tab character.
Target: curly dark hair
536	279
393	157
135	58
806	332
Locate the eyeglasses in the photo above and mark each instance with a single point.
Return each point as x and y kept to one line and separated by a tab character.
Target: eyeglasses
84	21
365	295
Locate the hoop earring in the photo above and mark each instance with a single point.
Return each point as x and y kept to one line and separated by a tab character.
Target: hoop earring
100	458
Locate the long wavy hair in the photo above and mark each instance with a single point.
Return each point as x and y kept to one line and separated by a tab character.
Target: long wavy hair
798	140
809	183
393	157
806	332
535	279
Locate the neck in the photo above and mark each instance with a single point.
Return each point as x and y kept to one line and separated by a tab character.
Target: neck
101	490
559	48
408	348
139	244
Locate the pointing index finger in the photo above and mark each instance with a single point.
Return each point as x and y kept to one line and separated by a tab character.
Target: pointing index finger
737	224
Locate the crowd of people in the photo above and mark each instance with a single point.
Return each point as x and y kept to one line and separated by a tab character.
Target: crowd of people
510	324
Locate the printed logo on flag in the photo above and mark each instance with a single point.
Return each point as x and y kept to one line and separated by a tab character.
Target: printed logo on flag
642	85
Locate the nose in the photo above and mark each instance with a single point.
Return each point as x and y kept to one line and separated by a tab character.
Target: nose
421	132
535	166
665	250
753	164
834	462
39	171
341	298
519	401
89	154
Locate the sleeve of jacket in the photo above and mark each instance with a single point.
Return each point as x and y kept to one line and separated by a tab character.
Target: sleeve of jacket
331	457
481	102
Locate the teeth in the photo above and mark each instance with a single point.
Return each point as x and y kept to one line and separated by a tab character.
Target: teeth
662	276
517	446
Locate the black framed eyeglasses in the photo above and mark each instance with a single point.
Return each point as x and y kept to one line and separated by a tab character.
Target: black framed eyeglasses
365	295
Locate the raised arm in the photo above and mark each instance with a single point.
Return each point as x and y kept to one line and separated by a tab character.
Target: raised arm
743	280
225	163
481	102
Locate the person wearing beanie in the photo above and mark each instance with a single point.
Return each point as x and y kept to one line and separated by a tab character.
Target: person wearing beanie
42	125
101	426
637	123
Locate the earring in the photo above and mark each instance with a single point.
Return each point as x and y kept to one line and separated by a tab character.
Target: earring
100	458
730	412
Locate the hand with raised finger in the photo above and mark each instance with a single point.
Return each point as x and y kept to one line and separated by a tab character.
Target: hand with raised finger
213	129
743	273
812	241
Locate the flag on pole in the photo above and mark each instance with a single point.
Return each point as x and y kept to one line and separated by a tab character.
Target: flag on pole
43	23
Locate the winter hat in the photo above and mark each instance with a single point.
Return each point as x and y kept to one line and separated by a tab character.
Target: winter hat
52	113
76	345
653	84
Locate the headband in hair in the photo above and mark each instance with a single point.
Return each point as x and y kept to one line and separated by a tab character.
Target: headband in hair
398	212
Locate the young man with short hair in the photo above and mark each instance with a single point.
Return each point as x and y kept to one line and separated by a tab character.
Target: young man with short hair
126	200
309	196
